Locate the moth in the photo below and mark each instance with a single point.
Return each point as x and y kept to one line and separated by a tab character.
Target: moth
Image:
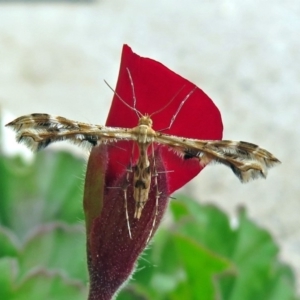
247	161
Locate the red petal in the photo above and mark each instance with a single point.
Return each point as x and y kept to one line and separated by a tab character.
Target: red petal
155	85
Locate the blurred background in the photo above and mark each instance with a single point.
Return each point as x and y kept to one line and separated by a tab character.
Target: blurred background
245	55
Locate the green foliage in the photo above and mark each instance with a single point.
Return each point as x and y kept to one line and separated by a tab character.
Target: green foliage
42	253
197	256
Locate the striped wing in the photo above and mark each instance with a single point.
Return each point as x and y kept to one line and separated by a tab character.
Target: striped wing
247	161
37	131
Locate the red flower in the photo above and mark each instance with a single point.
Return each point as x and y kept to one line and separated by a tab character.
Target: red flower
155	85
111	252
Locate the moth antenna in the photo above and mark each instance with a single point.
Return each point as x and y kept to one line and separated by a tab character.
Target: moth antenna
179	108
133	93
119	97
164	107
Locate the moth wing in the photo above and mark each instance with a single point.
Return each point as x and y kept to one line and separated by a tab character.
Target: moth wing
37	131
247	161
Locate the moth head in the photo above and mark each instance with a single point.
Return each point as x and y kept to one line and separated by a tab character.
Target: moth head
145	120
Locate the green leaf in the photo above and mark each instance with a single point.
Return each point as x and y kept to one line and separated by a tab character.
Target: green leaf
9	244
205	223
258	271
260	274
200	268
56	247
39	285
49	189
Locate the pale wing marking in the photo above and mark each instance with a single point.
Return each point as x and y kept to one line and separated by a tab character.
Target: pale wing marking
247	161
37	131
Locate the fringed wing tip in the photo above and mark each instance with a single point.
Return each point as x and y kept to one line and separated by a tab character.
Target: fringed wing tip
253	170
245	167
11	125
246	176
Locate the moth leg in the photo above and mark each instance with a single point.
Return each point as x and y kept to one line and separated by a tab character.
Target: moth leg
157	195
124	188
